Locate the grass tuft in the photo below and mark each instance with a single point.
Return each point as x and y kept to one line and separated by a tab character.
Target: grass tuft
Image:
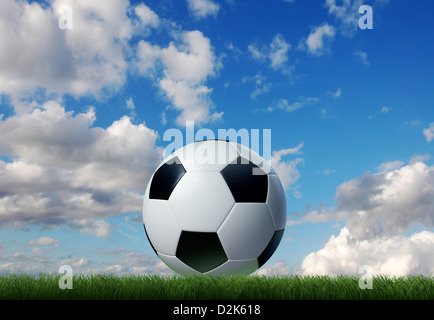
151	287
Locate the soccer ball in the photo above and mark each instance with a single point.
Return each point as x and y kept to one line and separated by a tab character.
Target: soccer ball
214	207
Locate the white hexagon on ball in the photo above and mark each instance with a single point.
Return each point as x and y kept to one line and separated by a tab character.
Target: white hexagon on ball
214	207
201	201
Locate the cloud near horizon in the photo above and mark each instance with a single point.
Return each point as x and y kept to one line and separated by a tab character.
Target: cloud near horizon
379	209
63	170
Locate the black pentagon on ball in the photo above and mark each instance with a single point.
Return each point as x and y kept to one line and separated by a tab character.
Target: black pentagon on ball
165	179
247	182
201	251
271	247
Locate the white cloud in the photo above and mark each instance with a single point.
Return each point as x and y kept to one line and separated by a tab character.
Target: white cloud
65	171
24	263
95	56
284	105
429	132
319	39
329	171
264	88
185	67
234	49
88	59
320	215
420	158
287	170
382	110
261	84
203	8
275	270
297	194
379	208
338	93
362	57
325	114
119	261
21	268
390	166
31	34
388	202
74	262
192	101
335	94
130	104
393	256
44	241
147	57
283	152
123	262
346	13
256	53
115	268
192	60
99	228
147	16
385	109
276	53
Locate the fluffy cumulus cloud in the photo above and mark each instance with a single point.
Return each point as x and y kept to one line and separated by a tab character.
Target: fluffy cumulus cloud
56	166
318	41
278	269
380	209
83	60
396	255
61	169
388	203
183	68
147	17
94	57
203	8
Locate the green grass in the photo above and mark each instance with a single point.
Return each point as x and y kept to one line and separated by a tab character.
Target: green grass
104	287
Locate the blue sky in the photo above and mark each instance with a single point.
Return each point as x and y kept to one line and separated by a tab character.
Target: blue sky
84	109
